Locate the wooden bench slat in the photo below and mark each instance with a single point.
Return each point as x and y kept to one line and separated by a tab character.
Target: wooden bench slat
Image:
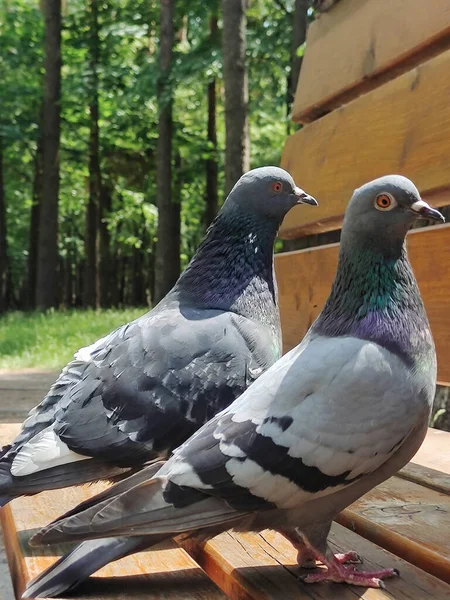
250	566
435	451
305	278
360	44
168	570
408	519
156	574
161	571
430	478
402	127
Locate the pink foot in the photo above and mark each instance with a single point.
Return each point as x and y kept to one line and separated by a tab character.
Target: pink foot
348	558
306	558
340	574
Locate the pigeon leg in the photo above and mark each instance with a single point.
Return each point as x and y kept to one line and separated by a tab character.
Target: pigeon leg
339	573
307	556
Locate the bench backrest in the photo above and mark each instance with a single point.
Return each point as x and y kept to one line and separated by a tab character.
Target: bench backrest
373	96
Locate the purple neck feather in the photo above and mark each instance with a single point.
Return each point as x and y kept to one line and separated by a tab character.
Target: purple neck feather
376	298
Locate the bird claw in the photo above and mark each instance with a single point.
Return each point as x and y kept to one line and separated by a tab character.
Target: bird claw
307	560
346	558
338	573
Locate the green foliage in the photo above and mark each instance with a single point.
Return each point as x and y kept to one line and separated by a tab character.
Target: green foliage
128	77
49	340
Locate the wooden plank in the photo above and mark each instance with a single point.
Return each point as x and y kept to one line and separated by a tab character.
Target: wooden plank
430	478
157	574
410	520
263	567
435	451
305	278
402	127
360	44
430	467
257	566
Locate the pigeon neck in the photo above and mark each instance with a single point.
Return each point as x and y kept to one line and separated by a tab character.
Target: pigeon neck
375	297
233	268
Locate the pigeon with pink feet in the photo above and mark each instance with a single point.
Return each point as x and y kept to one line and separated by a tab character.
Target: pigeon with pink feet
336	416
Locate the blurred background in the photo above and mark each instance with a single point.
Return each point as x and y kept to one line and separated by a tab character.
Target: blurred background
113	115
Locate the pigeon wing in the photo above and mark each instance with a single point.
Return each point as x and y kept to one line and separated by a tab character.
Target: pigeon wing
327	414
148	386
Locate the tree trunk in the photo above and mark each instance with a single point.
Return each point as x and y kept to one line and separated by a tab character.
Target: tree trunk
104	245
79	282
47	260
167	267
237	147
299	27
34	223
68	279
137	279
4	267
91	281
211	163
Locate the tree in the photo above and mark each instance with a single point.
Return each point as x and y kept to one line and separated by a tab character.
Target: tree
237	145
132	93
105	271
4	270
33	237
167	264
46	285
212	201
299	28
91	280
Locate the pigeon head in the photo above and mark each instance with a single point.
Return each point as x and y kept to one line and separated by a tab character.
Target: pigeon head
269	192
375	295
386	208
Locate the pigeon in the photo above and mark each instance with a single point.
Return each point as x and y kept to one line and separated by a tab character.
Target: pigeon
337	415
138	393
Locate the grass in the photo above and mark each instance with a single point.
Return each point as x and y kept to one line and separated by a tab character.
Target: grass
49	340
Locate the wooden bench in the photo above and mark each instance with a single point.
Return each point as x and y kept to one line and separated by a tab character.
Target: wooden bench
404	523
373	95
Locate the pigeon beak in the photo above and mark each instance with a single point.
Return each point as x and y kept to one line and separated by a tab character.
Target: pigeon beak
424	210
304	198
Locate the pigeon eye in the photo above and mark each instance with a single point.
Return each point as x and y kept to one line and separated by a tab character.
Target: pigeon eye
277	187
385	202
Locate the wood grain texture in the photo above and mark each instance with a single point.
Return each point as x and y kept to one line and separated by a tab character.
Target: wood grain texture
305	278
361	44
263	567
410	520
154	575
430	478
402	127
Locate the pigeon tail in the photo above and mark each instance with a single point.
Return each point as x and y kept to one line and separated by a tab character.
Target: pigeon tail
4	500
87	558
142	510
6	494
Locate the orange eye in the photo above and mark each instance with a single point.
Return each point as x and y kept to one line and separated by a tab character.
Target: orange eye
384	202
277	187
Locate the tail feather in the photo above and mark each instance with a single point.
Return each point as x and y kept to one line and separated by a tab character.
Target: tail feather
87	558
53	478
6	485
142	510
115	490
5	499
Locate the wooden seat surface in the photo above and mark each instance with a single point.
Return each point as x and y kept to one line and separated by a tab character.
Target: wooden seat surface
409	514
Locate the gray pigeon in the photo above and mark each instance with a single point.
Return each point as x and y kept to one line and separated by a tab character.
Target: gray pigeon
139	392
334	417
